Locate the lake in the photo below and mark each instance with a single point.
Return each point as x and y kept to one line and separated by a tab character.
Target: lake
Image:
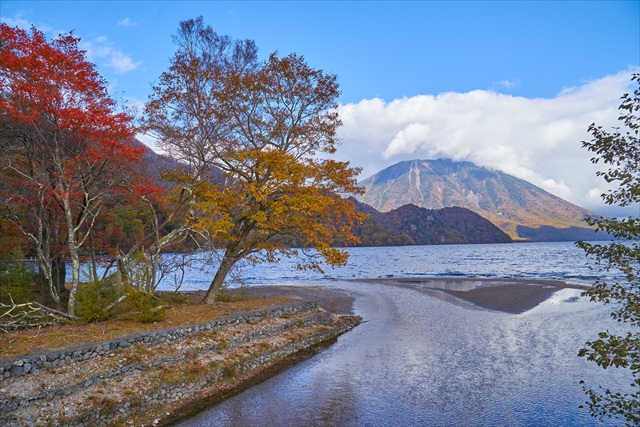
557	261
420	360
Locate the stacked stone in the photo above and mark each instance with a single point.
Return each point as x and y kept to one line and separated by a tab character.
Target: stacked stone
28	364
310	326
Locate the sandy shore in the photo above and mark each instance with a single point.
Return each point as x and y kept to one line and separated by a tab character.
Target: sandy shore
331	300
506	295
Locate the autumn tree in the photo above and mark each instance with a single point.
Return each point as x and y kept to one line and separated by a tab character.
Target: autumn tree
267	127
620	151
66	147
163	227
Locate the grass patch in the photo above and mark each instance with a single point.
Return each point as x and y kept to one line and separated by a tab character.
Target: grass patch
194	370
137	354
225	296
229	371
177	314
106	405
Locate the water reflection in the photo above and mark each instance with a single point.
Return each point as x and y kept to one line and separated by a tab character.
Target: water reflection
448	284
563	301
423	361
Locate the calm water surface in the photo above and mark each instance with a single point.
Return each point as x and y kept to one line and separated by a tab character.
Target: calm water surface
418	360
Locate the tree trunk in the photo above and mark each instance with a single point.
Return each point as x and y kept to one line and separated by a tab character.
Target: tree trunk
58	266
122	270
47	279
94	261
75	281
58	273
43	253
75	257
228	261
151	261
43	285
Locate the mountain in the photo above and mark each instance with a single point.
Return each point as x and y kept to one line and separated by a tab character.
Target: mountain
413	225
156	164
517	207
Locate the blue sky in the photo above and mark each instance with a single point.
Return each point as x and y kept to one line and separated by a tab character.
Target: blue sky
508	85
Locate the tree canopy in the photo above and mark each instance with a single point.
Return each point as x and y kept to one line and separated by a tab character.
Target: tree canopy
252	139
66	146
619	149
266	128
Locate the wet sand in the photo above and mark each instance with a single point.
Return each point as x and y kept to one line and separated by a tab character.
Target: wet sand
507	295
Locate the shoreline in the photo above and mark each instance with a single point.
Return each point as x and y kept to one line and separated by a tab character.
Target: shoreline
513	296
175	413
159	376
332	300
507	295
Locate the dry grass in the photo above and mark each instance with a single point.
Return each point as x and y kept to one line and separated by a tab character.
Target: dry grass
181	313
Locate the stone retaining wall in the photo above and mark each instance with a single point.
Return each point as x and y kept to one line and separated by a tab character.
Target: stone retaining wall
168	394
23	365
152	403
7	405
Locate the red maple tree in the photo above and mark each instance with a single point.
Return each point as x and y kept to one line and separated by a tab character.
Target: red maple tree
66	147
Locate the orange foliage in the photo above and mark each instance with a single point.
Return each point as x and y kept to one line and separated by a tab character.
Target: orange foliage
265	126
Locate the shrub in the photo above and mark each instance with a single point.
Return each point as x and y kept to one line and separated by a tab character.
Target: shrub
93	298
99	301
141	306
17	280
224	296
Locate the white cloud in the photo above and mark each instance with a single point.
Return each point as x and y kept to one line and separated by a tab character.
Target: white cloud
17	21
100	49
534	139
507	84
594	194
407	140
120	62
127	22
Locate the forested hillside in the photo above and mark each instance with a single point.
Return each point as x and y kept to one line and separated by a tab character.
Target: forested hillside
413	225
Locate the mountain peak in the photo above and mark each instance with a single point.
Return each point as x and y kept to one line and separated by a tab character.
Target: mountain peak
516	206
